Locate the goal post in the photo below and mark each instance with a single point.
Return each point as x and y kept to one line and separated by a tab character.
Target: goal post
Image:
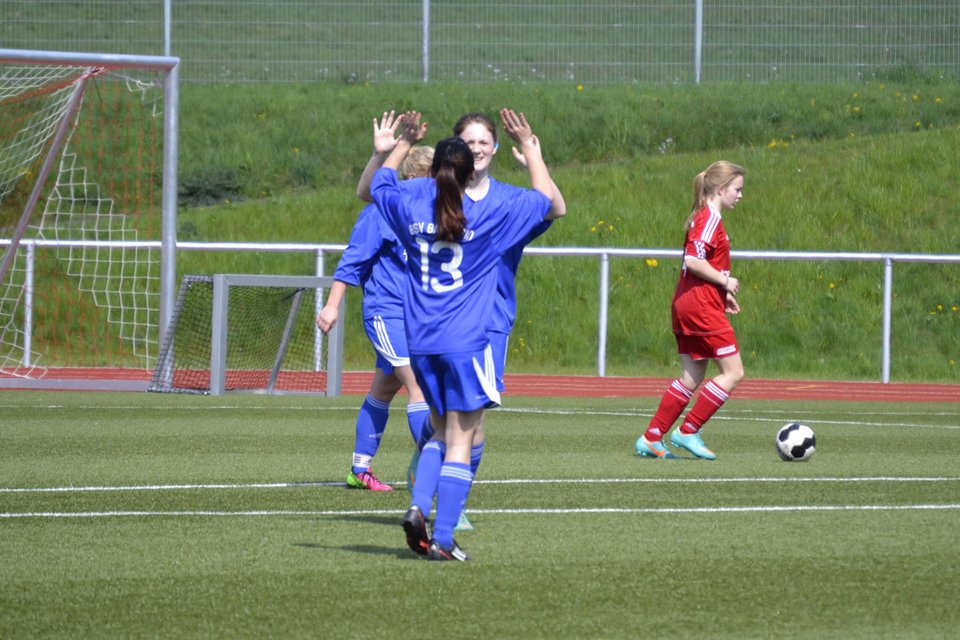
88	168
250	334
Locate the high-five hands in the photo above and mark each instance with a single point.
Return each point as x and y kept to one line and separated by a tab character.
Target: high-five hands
411	128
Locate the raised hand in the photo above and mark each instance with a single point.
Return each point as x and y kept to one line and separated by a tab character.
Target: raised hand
412	130
516	126
518	155
384	133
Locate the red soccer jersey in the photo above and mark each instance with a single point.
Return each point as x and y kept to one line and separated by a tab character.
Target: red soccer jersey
699	307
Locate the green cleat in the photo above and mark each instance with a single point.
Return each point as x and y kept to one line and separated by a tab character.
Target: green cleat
692	443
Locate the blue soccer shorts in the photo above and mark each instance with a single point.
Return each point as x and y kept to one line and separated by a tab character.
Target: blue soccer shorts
389	338
458	381
498	343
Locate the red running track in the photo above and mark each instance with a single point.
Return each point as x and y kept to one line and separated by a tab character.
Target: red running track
614	387
358	382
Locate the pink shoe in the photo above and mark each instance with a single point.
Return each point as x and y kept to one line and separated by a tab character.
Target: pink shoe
366	480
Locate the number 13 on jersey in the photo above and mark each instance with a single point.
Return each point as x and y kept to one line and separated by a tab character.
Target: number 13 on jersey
451	267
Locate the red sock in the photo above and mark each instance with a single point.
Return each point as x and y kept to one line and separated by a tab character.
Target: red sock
711	398
672	404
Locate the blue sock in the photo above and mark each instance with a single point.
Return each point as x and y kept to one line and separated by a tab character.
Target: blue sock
476	453
454	486
418	415
428	475
371	423
426	432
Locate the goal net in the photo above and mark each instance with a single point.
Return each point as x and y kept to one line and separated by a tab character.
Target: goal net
83	183
248	333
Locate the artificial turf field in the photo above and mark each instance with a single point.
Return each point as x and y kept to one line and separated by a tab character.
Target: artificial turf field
142	515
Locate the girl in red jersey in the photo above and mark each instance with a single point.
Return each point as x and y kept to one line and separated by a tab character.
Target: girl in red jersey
705	293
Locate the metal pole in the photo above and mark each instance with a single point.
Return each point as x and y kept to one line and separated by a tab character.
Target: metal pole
698	41
218	335
604	301
425	40
319	295
28	278
168	232
167	26
887	297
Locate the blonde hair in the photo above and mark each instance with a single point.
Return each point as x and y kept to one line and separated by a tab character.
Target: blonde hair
709	181
417	163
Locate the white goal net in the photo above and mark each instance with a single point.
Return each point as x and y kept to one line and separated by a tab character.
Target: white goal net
83	180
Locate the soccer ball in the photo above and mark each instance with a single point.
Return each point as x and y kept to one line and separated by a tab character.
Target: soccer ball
795	442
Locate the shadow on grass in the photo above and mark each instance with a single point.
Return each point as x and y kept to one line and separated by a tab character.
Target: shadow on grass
401	553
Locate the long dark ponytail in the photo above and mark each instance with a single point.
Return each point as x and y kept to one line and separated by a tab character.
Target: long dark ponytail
452	167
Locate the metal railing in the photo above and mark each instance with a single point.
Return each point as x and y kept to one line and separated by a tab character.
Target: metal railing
603	256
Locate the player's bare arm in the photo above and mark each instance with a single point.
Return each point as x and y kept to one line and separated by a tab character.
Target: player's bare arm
703	270
517	127
328	316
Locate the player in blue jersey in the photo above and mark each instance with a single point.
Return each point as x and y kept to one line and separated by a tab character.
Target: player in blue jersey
479	131
453	255
483	192
374	260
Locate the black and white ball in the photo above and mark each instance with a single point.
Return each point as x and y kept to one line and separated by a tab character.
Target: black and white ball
796	442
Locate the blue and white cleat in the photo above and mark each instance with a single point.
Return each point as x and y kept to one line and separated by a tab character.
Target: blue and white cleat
692	443
654	449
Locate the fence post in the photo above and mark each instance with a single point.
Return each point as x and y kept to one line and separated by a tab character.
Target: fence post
698	41
425	41
887	297
602	321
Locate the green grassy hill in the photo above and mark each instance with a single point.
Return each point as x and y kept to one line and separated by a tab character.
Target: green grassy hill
860	168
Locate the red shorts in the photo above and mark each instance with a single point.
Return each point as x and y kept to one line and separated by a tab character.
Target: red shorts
714	347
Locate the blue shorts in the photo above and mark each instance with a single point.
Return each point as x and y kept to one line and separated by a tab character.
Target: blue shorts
458	381
389	338
498	342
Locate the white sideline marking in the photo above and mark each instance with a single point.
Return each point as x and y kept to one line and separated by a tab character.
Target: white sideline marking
610	510
728	412
520	481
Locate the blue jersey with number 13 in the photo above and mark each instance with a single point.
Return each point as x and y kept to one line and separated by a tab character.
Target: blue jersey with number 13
451	286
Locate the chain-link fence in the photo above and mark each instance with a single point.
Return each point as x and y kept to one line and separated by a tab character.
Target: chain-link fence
581	41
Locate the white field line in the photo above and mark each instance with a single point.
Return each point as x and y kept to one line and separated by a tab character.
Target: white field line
728	411
611	510
596	511
765	416
517	481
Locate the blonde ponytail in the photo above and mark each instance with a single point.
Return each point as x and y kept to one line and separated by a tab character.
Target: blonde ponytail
709	181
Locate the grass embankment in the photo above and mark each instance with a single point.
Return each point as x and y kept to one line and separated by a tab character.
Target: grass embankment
862	168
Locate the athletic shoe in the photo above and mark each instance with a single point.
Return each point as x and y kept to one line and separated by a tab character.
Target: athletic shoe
436	552
412	470
692	443
366	480
654	449
415	526
463	524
